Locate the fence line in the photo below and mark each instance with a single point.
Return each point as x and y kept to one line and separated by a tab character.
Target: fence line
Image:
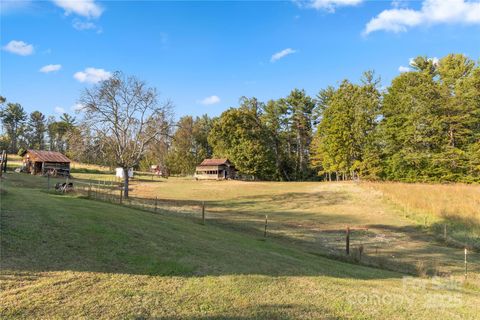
197	210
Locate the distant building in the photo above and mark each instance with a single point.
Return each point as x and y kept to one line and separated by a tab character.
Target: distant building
45	162
159	170
215	169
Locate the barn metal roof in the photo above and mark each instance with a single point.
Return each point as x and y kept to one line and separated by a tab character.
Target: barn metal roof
214	162
47	156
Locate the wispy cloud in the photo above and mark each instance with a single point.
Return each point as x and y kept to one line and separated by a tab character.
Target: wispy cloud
210	100
59	110
50	68
282	54
85	25
14	6
431	12
84	8
77	107
403	69
327	5
92	75
19	47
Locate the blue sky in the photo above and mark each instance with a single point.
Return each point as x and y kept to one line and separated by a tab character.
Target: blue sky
205	55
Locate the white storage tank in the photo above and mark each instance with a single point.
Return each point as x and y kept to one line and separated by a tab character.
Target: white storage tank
119	173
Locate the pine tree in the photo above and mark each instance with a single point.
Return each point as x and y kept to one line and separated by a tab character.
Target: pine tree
36	130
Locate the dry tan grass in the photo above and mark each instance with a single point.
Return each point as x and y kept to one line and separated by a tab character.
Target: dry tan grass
80	166
458	201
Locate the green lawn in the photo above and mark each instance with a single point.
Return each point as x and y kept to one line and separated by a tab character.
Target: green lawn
68	257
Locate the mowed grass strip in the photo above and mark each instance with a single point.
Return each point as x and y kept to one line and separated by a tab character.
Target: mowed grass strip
67	257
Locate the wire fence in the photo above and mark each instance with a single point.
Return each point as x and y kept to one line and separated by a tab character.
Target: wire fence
358	244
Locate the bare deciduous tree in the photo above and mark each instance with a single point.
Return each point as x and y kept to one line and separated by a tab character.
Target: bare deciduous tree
127	115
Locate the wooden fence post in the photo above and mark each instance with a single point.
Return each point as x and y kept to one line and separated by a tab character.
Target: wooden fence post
90	190
48	181
445	232
266	224
347	241
466	263
203	212
121	194
156	201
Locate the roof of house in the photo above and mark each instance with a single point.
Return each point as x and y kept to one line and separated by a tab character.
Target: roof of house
214	162
47	156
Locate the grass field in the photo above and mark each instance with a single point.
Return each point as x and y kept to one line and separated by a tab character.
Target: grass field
456	205
315	216
68	257
61	252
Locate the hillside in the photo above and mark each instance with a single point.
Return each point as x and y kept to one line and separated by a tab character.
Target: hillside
63	256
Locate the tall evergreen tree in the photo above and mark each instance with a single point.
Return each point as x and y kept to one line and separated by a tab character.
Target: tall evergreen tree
13	118
300	109
345	140
36	130
411	128
274	119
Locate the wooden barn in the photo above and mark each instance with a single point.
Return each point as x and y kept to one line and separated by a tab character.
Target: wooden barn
43	162
215	169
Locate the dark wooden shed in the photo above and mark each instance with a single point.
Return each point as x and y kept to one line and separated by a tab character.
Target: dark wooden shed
43	162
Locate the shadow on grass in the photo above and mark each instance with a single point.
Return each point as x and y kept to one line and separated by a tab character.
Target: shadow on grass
262	311
91	171
47	232
44	232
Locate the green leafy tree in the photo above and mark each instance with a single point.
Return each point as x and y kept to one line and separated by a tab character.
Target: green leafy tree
239	135
189	145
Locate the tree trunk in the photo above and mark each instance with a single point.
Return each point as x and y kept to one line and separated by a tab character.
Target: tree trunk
125	182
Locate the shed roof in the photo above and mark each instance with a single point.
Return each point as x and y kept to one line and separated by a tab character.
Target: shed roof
214	162
46	156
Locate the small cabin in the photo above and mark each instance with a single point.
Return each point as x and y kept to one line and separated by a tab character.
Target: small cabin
45	162
215	169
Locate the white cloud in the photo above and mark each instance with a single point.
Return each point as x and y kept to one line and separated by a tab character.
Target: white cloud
92	75
328	5
435	61
431	12
210	100
279	55
19	47
50	68
403	69
85	8
59	110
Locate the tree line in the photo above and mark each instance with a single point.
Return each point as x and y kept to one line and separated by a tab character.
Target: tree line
21	131
425	126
